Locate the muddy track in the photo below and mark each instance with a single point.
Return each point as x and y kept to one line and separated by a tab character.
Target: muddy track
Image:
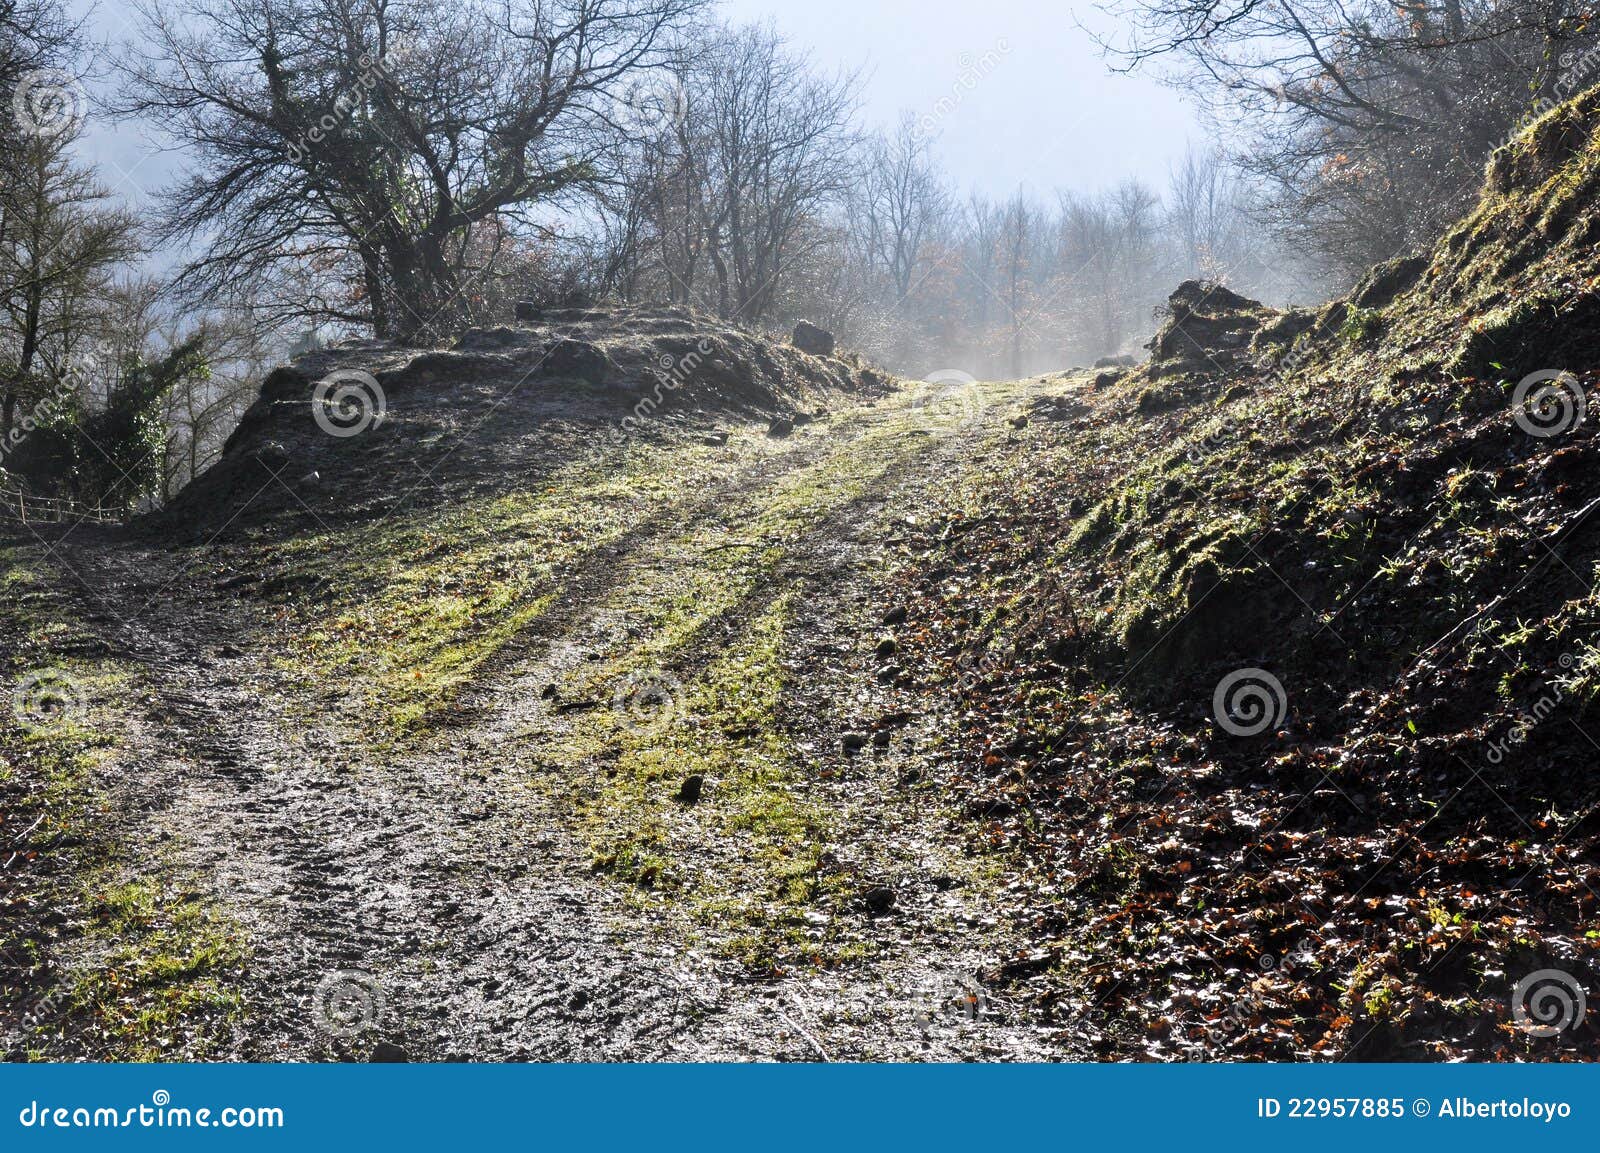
429	903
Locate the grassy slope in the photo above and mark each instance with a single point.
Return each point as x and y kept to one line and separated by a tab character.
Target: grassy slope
1358	513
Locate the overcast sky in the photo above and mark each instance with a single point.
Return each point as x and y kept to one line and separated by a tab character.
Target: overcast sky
1015	91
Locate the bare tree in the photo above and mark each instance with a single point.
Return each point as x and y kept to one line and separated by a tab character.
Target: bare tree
778	151
1207	213
35	36
377	135
63	242
1369	122
900	201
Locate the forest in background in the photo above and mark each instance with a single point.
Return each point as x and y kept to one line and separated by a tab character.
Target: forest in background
406	170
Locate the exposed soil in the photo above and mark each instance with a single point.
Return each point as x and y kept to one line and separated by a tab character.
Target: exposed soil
630	687
437	888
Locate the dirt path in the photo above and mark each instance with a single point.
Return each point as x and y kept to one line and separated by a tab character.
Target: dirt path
453	898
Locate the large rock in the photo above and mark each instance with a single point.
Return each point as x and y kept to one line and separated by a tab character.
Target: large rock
1208	329
577	358
809	338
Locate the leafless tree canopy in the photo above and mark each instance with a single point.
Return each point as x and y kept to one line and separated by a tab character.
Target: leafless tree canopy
412	141
408	167
1369	122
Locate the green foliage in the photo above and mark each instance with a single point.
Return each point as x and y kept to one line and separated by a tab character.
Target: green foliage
127	438
1362	324
111	456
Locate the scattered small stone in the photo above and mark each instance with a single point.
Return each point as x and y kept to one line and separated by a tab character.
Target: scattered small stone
272	454
689	791
388	1053
879	899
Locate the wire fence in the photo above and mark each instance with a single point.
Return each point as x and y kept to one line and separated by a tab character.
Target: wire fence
20	508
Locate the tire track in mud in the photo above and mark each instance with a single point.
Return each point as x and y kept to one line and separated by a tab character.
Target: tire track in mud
456	895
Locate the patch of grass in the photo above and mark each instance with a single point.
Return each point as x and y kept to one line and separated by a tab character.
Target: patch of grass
410	614
140	970
163	972
1362	324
